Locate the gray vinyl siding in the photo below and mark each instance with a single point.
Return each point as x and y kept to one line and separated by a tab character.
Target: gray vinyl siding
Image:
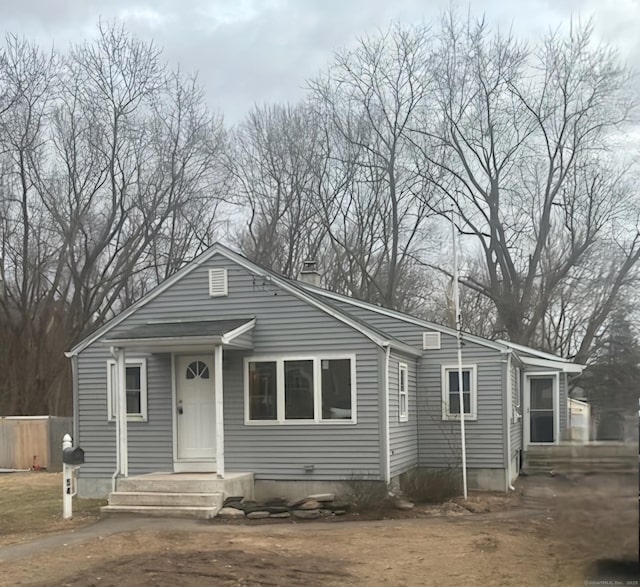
399	329
403	436
150	443
244	340
284	325
336	451
438	440
516	424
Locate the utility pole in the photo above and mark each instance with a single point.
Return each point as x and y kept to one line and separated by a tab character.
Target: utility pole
456	300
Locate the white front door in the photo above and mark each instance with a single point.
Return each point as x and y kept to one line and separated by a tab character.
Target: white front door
195	411
541	418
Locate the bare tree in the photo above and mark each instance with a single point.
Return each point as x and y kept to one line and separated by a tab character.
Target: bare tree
115	169
371	194
28	245
523	140
274	164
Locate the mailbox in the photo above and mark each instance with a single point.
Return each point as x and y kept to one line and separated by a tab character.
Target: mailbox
73	456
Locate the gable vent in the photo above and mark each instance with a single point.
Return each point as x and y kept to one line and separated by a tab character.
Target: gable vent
218	282
431	341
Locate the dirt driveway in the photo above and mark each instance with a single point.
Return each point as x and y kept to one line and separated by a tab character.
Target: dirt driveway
551	535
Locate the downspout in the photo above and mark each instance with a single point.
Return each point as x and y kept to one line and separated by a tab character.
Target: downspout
114	354
509	411
387	440
75	400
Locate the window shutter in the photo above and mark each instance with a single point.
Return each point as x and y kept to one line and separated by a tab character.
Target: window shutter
217	282
431	341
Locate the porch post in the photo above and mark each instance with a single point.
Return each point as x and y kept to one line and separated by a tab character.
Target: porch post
121	419
218	384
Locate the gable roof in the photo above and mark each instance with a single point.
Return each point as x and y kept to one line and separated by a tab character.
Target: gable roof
318	291
374	334
540	358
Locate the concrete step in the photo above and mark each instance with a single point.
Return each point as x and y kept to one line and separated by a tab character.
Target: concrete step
567	470
591	450
631	464
170	484
205	513
232	484
156	498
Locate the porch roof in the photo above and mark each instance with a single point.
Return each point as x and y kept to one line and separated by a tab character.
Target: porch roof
169	334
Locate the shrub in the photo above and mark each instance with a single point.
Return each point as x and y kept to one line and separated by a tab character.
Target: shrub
365	492
431	485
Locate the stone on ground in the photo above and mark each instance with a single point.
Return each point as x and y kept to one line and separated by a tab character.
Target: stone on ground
258	515
309	504
322	497
306	514
403	504
230	513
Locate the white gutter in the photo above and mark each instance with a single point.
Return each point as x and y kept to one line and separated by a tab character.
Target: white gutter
557	365
76	409
509	410
229	336
387	439
122	412
219	400
114	354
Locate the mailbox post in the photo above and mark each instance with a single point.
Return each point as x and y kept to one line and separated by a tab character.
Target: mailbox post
72	458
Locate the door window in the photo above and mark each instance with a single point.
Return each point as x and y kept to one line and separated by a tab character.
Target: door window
198	369
541	411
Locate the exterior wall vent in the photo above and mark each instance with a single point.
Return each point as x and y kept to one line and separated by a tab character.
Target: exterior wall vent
430	341
218	286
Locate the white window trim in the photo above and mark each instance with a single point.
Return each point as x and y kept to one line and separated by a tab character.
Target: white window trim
403	373
142	363
445	392
317	389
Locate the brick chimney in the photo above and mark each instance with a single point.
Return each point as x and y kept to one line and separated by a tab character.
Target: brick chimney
310	273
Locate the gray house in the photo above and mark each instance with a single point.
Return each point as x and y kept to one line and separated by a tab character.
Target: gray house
230	372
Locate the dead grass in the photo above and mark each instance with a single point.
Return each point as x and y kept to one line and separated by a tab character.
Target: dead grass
31	506
552	532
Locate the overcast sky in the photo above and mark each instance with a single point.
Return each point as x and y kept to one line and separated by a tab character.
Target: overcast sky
249	51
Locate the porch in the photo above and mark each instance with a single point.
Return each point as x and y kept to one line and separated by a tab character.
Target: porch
167	494
196	350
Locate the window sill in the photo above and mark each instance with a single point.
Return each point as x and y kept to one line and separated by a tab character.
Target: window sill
456	418
403	419
299	422
130	419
